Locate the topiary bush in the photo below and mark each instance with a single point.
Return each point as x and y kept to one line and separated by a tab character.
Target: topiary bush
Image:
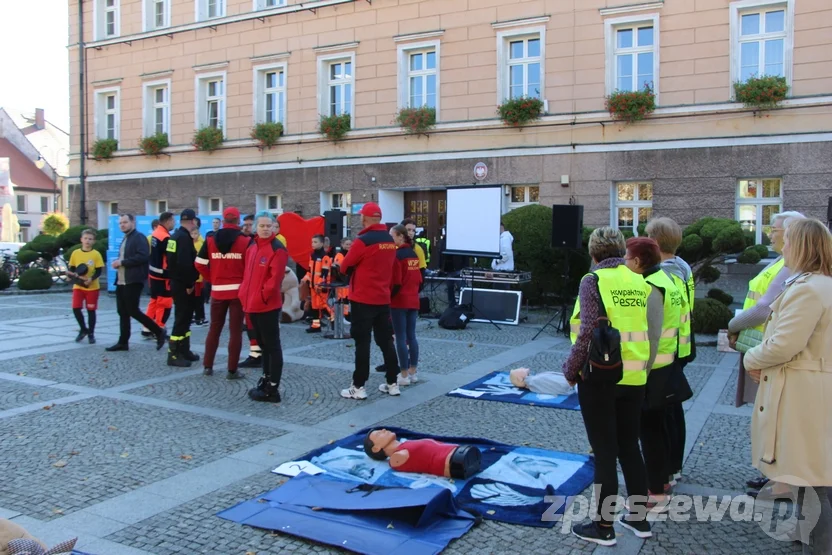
55	223
709	316
101	246
5	280
27	256
748	256
532	229
44	246
721	296
762	250
71	236
707	242
34	279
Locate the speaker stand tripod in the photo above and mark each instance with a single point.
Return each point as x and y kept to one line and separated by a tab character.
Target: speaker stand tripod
562	312
337	305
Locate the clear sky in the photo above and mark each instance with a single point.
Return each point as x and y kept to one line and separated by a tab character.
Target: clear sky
34	61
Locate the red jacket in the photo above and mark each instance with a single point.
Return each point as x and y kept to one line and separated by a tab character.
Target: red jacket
370	265
222	261
407	279
265	268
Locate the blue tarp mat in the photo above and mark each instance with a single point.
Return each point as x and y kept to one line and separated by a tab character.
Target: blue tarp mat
496	386
511	487
358	517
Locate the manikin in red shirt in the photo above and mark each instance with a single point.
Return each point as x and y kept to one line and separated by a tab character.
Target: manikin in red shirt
423	456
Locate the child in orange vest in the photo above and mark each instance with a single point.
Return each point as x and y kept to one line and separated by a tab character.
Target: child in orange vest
320	265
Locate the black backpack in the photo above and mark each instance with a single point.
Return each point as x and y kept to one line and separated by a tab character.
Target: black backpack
604	364
454	318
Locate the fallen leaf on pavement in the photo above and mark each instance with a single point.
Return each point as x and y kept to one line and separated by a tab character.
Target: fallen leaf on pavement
316	395
470	345
49	407
21	373
186	457
60	464
112	428
58	511
125	455
330	442
269	452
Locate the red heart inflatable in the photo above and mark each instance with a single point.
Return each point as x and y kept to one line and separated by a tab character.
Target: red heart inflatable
298	233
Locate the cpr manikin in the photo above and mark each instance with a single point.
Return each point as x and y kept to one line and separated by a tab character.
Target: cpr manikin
546	383
423	456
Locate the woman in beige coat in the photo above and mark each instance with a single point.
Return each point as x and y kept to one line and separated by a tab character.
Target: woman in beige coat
791	429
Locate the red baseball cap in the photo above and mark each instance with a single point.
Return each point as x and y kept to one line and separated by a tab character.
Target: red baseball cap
231	213
371	210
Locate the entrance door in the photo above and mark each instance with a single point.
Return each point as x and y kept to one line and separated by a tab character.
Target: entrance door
427	209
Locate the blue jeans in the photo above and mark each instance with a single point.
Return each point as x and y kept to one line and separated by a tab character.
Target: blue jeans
404	326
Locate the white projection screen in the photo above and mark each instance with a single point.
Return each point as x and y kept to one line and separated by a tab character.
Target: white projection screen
473	220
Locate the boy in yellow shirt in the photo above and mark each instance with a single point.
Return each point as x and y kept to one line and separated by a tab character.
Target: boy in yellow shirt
85	267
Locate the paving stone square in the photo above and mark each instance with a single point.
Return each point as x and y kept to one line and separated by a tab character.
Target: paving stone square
72	456
170	448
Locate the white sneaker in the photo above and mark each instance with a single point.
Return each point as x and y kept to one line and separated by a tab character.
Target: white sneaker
413	378
402	381
354	393
390	389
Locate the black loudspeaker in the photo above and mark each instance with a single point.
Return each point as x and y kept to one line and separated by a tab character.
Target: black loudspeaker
567	226
829	212
334	226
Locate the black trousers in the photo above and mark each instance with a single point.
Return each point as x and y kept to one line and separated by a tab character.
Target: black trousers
127	305
267	332
655	444
183	313
612	416
677	435
369	320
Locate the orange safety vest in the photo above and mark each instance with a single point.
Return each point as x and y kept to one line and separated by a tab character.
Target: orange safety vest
160	234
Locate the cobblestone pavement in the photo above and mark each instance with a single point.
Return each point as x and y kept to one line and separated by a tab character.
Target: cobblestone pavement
137	458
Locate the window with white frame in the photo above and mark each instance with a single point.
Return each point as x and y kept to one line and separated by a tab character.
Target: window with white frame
632	205
161	206
522	195
632	53
214	205
157	108
763	40
422	77
336	81
44	205
757	201
21	203
521	56
157	14
271	203
107	114
270	94
265	4
209	9
211	101
107	18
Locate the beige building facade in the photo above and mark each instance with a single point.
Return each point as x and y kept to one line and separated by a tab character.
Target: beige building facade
174	66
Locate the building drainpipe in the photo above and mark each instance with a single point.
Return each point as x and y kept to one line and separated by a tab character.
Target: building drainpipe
82	115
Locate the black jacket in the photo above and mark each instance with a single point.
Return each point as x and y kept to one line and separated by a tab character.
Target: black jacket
136	256
181	255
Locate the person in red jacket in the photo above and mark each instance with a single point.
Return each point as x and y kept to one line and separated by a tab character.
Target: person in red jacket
369	265
404	304
221	262
266	260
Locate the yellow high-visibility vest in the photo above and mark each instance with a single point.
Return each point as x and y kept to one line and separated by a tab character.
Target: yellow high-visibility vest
684	328
758	286
624	296
672	322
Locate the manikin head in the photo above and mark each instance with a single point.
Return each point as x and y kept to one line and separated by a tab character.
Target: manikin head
518	377
317	242
379	444
126	223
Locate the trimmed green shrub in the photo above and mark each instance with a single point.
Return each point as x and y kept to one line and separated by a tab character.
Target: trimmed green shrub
46	245
34	279
533	252
55	223
762	250
5	280
71	236
721	296
102	233
27	256
709	316
748	256
101	246
706	242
